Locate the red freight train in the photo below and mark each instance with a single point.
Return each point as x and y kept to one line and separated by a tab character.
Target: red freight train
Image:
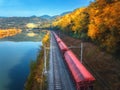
81	76
61	44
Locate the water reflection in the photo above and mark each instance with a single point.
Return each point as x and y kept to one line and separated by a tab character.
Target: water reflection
15	58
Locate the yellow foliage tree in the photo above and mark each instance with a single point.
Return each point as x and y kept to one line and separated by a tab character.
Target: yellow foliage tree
105	23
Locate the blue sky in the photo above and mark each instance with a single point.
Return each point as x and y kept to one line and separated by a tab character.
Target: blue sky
39	7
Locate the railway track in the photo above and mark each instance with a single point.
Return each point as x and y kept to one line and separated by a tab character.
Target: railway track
75	67
105	85
59	78
101	82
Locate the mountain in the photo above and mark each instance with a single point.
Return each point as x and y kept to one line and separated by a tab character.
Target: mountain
19	22
48	17
65	13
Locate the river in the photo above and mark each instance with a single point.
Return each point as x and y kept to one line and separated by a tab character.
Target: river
15	58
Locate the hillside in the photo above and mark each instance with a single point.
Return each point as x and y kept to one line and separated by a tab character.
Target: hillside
98	27
48	17
19	22
99	23
103	66
43	21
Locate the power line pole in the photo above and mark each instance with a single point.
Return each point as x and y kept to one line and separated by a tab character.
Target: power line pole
81	54
45	59
81	50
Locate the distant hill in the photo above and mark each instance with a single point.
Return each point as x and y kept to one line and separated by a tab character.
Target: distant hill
65	13
48	17
19	22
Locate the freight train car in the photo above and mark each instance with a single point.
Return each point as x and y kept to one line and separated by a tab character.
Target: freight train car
81	76
62	45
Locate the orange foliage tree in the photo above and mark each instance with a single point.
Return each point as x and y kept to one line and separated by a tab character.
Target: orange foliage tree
100	21
104	24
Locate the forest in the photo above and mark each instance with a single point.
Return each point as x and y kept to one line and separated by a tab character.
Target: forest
98	23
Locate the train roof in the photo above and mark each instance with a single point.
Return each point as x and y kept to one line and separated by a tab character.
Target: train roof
82	70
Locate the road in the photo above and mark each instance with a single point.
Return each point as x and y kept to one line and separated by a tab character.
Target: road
58	75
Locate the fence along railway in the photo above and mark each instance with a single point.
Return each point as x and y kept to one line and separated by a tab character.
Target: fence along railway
68	72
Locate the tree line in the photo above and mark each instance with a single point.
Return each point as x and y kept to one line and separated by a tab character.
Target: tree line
9	32
99	22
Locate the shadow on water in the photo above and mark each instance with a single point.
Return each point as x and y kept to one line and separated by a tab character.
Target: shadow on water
18	74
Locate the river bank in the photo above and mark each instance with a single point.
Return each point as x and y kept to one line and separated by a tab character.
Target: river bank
16	54
33	35
37	80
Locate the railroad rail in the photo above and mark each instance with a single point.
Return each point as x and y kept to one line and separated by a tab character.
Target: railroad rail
80	75
56	79
105	86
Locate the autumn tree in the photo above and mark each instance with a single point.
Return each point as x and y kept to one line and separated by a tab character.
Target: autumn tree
75	22
104	24
100	21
